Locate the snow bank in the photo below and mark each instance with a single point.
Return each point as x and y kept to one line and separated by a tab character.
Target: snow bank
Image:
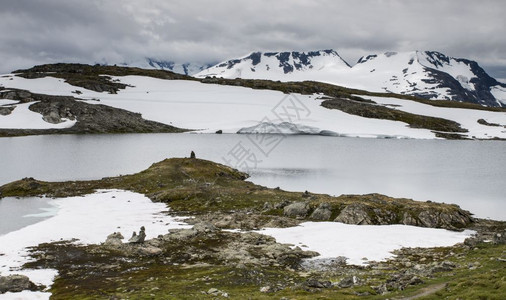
90	219
25	295
7	102
23	118
355	242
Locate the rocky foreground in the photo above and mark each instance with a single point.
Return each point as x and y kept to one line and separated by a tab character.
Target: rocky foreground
209	261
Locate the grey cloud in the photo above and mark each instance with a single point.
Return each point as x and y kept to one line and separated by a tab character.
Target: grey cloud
115	31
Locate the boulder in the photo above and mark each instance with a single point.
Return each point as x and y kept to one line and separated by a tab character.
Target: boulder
204	227
297	209
4	111
16	283
114	239
315	283
52	117
348	282
322	213
356	214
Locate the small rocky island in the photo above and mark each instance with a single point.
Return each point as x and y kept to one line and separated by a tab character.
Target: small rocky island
210	260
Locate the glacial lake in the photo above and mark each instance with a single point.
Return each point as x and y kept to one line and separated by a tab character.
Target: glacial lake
471	174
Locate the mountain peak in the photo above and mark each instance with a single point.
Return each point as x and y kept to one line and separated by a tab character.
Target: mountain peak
276	63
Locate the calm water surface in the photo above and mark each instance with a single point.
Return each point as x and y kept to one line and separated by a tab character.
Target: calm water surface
18	213
469	173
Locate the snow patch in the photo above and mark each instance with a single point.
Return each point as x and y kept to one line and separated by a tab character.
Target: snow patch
355	242
89	219
23	118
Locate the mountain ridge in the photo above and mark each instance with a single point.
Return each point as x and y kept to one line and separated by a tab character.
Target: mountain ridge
426	74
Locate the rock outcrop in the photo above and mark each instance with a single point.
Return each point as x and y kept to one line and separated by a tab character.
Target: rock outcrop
322	213
16	283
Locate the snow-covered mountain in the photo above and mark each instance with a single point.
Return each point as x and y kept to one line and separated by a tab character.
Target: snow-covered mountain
180	68
284	66
426	74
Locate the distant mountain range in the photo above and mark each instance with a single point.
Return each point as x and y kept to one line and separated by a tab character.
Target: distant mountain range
180	68
426	74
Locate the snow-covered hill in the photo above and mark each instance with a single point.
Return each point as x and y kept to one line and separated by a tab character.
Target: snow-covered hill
207	107
426	74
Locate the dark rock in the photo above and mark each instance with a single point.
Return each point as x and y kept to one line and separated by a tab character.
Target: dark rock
219	131
16	283
484	122
192	155
281	204
401	281
314	283
6	110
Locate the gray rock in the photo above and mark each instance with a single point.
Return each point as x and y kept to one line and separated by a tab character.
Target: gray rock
4	111
444	266
138	238
204	227
428	219
114	239
500	238
52	117
297	209
16	283
322	213
281	204
408	219
354	214
314	283
348	282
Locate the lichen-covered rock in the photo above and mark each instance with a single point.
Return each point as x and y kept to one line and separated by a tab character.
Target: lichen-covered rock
297	209
322	213
354	214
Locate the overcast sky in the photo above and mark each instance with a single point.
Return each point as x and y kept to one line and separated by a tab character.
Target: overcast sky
114	31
